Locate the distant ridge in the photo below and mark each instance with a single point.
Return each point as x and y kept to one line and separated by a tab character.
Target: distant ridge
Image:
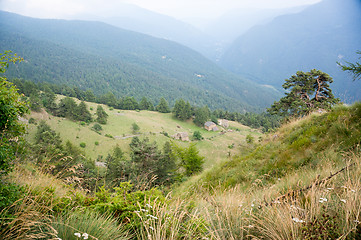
317	37
97	56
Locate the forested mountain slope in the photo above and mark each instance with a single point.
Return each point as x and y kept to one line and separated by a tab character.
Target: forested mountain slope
317	37
97	56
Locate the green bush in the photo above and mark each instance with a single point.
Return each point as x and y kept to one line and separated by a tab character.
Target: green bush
249	138
197	135
82	144
97	127
108	135
96	143
32	121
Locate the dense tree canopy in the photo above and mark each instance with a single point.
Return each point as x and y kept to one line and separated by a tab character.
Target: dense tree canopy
306	92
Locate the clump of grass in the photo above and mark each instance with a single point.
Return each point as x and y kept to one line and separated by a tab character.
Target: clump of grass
177	220
88	224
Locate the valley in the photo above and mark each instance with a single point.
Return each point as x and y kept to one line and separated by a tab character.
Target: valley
120	122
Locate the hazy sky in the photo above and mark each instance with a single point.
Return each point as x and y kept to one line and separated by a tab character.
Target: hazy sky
180	9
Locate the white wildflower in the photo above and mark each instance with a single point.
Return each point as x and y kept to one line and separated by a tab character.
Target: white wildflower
77	235
352	190
343	200
151	216
322	200
85	235
297	220
151	228
277	202
144	210
330	188
148	205
252	205
250	226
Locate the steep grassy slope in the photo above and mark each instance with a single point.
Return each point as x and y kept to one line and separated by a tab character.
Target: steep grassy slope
105	58
153	125
304	145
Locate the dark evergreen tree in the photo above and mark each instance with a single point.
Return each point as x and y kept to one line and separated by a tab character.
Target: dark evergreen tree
144	158
102	116
306	92
117	167
166	170
145	104
82	113
129	103
178	108
67	108
163	106
89	96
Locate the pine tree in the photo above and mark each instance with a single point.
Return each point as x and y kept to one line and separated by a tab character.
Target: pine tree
102	116
306	92
82	113
163	106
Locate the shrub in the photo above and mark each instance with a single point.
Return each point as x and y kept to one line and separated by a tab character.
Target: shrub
249	138
197	136
32	121
108	135
97	127
82	144
96	143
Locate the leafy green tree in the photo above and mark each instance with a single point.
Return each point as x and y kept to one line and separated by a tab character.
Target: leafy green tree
201	116
163	106
353	68
48	100
191	161
108	99
102	116
306	92
35	102
11	108
129	103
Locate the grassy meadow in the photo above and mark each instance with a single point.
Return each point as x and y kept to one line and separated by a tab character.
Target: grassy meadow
153	125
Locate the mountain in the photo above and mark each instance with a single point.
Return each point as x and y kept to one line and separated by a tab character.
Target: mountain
227	28
101	57
317	37
134	18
